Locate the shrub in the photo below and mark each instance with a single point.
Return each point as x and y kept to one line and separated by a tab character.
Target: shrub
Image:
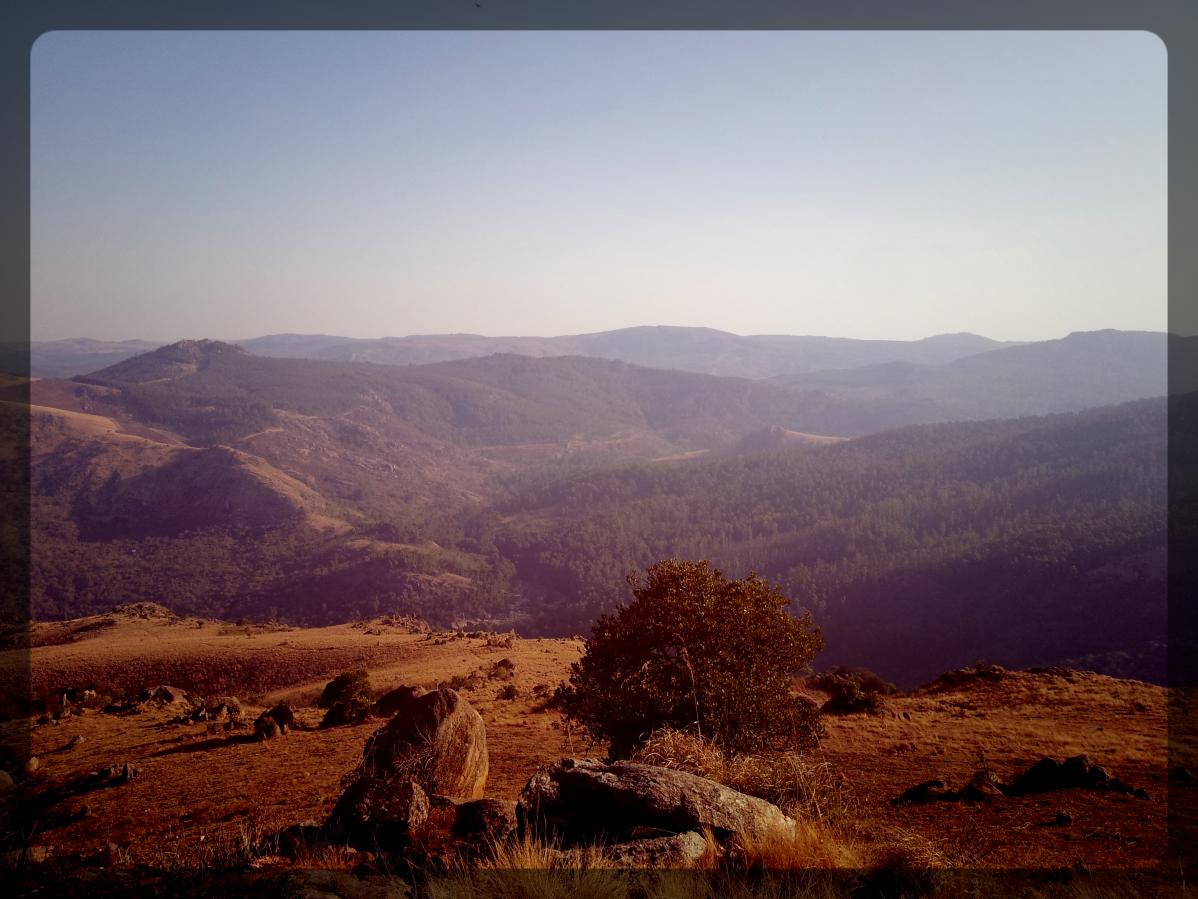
832	681
350	687
852	691
695	649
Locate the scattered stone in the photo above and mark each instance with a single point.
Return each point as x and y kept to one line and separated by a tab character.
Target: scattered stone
587	800
927	791
167	695
983	787
1047	775
282	716
344	712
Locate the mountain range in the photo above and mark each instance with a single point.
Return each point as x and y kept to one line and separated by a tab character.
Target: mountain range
704	350
517	489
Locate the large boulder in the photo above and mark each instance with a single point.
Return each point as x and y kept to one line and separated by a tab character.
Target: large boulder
416	771
587	801
436	739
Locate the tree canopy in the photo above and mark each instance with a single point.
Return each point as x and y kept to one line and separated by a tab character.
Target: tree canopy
695	649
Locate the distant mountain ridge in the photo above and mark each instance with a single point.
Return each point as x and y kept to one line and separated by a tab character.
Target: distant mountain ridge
703	350
515	489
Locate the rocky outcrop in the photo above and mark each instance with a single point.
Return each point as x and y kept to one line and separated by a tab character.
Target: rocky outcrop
420	784
1077	772
588	801
1047	775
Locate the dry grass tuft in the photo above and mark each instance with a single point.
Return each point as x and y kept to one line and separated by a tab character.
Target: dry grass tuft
807	845
530	868
797	784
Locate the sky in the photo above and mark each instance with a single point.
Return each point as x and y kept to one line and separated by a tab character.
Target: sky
369	184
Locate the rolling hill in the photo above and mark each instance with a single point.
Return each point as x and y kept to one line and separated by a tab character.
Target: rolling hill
511	489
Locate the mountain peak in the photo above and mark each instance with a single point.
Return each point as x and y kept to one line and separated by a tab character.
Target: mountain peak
170	361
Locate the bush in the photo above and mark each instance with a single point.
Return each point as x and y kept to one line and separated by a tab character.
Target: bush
350	687
833	680
695	649
852	691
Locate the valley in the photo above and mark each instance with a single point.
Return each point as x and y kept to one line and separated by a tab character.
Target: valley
517	491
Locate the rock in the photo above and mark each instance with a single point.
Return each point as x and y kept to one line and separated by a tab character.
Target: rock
1062	819
5	780
266	728
420	784
127	773
927	791
32	764
436	739
283	714
167	695
375	813
682	850
983	787
586	800
1076	772
483	821
392	702
341	713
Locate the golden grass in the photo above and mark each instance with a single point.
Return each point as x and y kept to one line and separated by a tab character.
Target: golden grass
797	783
806	845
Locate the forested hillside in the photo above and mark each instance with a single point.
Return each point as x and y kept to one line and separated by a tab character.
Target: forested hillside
1024	542
518	490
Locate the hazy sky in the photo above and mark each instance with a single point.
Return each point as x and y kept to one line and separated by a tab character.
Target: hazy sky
862	184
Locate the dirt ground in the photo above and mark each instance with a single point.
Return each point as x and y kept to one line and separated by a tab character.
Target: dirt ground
200	786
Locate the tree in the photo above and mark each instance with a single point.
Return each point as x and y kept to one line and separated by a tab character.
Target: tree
695	649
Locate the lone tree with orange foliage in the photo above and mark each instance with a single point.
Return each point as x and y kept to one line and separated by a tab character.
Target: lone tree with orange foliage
696	650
